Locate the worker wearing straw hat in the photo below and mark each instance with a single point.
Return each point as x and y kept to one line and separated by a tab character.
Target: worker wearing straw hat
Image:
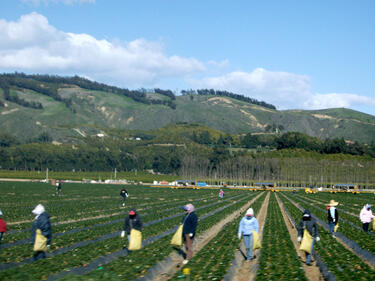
333	216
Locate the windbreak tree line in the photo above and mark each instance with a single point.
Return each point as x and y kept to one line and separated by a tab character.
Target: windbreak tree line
308	170
227	94
48	85
213	163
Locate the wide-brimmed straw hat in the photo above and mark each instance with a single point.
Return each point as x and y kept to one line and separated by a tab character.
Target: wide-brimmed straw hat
333	203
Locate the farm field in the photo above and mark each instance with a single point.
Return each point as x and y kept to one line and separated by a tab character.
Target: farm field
88	218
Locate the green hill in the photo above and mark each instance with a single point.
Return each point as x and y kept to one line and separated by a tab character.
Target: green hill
73	108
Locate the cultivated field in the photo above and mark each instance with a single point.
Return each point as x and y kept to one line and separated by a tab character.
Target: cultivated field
88	218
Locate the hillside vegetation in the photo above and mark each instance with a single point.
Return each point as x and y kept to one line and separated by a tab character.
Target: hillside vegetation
68	108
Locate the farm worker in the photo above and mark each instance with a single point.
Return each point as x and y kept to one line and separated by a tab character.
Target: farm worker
308	223
333	215
366	216
189	221
248	224
42	223
3	226
221	194
59	188
294	192
132	221
124	194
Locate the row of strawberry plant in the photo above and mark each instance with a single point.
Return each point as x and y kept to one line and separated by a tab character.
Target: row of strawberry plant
215	213
361	238
80	200
136	265
341	262
82	255
351	202
278	256
20	252
213	261
62	228
345	216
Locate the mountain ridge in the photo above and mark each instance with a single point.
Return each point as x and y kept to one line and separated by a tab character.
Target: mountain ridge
64	108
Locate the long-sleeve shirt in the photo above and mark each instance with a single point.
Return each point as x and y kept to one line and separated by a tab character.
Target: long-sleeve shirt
135	223
366	215
248	225
3	226
190	222
42	222
311	227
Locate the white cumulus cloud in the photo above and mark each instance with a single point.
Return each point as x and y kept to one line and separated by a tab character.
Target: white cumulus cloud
31	44
279	88
282	89
331	100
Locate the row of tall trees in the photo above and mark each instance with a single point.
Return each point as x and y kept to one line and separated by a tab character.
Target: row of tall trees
289	171
49	85
227	94
216	164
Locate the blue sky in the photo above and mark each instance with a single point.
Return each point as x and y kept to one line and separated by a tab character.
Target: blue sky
293	54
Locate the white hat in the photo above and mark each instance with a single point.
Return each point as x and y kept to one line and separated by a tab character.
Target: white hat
39	209
250	212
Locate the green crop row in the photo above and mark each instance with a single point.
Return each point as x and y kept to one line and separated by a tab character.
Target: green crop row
351	202
344	213
20	252
83	255
341	262
137	263
278	256
120	213
360	237
213	261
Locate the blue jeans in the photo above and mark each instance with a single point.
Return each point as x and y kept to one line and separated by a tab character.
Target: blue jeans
309	256
248	239
39	255
331	227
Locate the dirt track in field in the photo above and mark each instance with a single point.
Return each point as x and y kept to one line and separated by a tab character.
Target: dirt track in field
167	270
343	244
247	269
312	272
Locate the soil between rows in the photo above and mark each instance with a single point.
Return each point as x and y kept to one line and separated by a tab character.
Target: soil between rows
168	269
312	272
247	269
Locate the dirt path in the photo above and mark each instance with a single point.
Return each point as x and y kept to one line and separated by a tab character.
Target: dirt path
312	272
246	270
342	243
165	269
